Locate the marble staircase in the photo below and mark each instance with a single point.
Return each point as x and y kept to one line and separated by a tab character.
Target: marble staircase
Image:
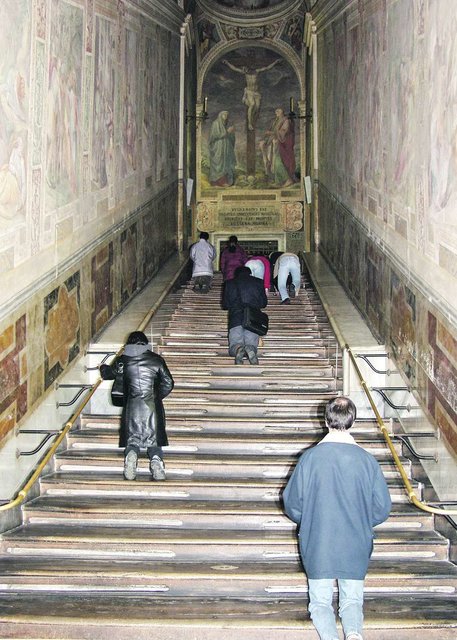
208	554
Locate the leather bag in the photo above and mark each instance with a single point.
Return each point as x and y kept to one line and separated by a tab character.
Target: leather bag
117	390
255	320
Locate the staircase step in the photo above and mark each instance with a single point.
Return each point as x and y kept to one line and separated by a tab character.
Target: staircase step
191	545
110	616
274	577
209	554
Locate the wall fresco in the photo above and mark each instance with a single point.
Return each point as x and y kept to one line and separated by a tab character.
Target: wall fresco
103	123
248	141
388	179
129	103
63	104
71	126
15	21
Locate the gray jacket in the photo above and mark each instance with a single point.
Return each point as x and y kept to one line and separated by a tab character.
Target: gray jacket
202	253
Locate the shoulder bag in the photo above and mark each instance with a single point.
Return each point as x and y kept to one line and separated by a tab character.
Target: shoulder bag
117	390
254	319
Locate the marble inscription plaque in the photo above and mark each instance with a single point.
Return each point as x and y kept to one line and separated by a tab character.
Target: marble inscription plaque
256	216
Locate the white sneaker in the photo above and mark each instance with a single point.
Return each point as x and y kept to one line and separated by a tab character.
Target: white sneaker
157	468
130	465
354	636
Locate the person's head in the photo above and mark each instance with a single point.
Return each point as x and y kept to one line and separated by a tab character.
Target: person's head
204	235
137	337
232	242
242	272
340	413
279	112
223	115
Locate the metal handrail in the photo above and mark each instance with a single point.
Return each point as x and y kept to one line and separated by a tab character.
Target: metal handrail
22	494
410	491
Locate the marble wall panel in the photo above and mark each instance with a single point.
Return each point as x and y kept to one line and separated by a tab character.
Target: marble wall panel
399	312
61	328
13	375
129	268
102	287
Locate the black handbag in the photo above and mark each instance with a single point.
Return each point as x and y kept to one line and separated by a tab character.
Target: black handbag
117	390
255	320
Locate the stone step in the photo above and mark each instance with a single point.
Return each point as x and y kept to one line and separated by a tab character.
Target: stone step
111	616
362	430
190	545
287	441
209	487
168	508
268	578
271	460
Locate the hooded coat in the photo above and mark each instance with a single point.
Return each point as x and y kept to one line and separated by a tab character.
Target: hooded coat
147	381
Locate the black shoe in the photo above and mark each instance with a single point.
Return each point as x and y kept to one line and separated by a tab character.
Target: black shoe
292	292
130	465
285	301
239	355
252	356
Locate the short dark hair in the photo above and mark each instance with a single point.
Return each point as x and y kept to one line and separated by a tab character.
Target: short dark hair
242	271
340	413
137	337
233	240
204	235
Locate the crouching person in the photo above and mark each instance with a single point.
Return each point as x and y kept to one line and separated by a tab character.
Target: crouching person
147	381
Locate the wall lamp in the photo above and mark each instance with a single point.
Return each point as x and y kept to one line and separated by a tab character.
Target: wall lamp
307	116
203	115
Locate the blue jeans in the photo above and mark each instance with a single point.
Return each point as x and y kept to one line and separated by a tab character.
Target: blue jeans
350	607
288	264
239	337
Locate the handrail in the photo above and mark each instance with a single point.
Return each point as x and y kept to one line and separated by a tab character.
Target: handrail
410	491
22	494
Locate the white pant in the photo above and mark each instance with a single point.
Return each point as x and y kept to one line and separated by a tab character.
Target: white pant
288	264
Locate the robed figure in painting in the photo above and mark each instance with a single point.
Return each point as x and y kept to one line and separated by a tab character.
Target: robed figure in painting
277	149
222	152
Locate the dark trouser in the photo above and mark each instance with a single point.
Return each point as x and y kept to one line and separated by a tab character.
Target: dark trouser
152	451
202	283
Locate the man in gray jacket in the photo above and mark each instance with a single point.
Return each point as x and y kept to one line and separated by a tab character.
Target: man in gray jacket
202	253
336	495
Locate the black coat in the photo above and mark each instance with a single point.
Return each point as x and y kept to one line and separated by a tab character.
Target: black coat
147	381
239	292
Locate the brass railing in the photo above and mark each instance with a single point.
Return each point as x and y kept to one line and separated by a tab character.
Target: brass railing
409	490
22	494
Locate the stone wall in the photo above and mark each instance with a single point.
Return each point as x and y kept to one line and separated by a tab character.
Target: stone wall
89	100
388	180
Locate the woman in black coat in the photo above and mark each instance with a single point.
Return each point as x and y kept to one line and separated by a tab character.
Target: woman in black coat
147	381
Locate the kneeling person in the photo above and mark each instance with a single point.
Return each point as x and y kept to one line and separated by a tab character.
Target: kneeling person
147	381
243	290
